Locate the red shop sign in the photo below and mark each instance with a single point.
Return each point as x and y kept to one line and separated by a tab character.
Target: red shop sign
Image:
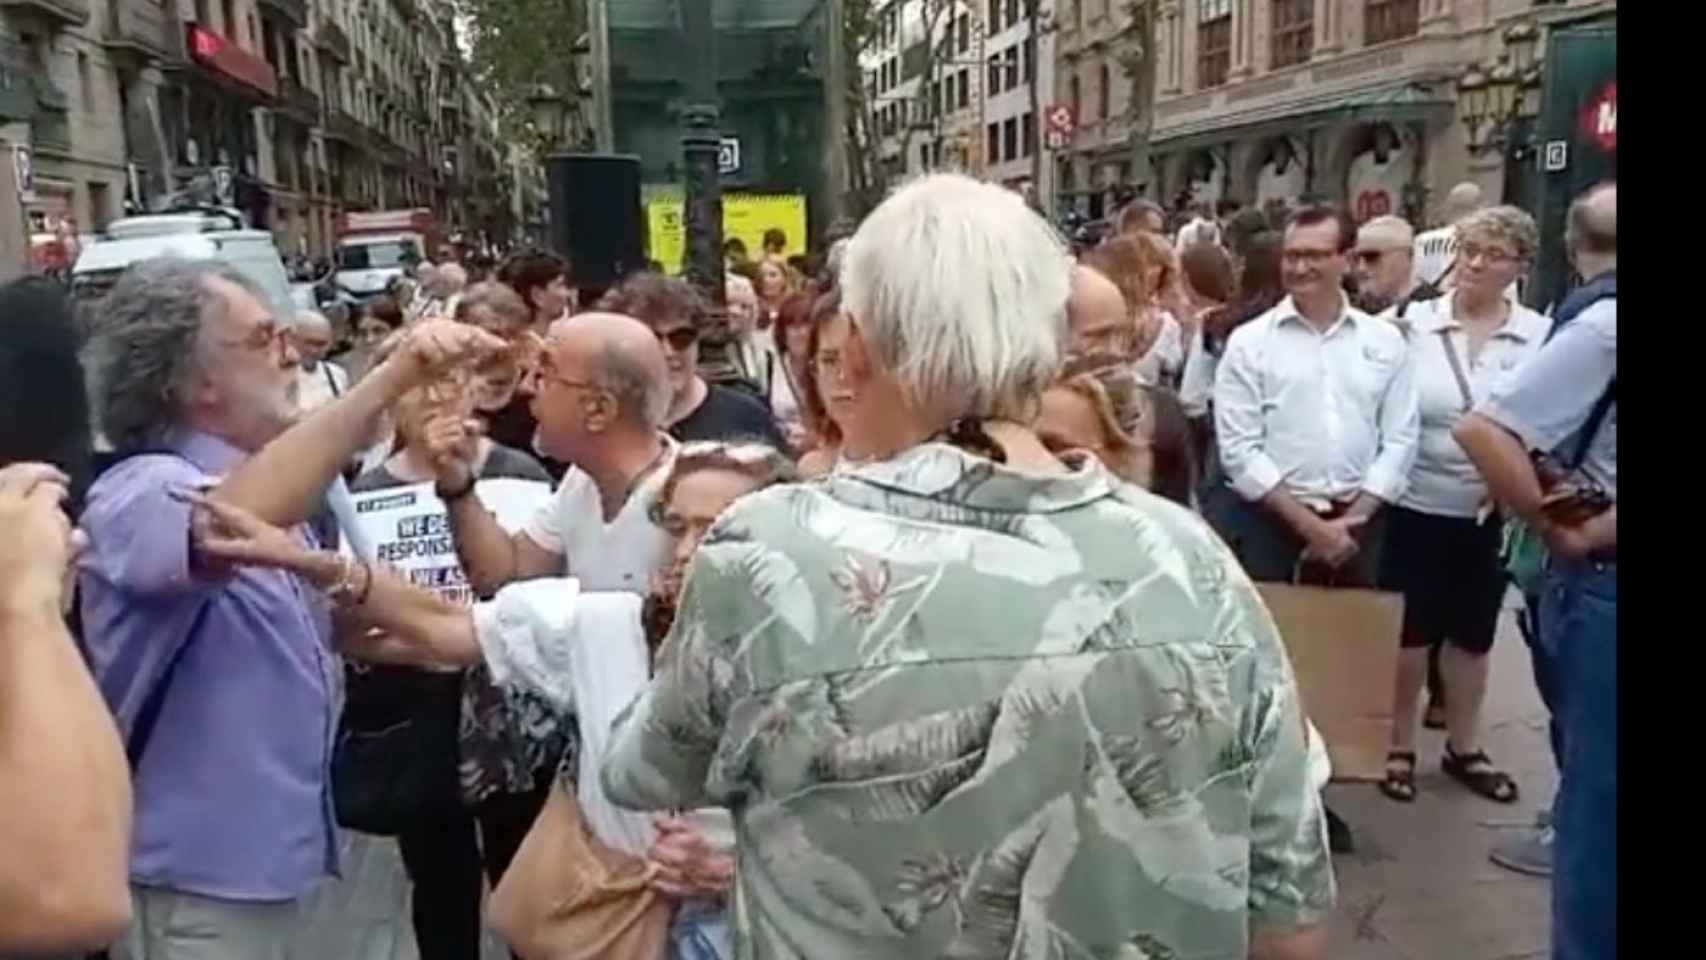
1599	118
221	55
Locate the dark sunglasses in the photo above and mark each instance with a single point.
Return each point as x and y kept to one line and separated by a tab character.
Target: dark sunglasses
680	338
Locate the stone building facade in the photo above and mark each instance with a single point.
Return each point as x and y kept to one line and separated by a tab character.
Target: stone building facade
1353	101
295	111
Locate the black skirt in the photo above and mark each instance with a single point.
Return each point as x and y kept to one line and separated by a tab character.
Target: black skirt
1448	570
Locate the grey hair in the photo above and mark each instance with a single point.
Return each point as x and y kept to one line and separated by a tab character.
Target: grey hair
143	344
504	303
960	289
642	396
1503	224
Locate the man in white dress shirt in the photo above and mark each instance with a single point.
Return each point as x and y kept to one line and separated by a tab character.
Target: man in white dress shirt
1316	417
1315	410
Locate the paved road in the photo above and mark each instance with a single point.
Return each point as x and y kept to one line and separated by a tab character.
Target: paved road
1420	886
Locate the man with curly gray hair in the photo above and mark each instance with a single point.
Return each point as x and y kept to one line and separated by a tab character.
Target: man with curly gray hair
222	680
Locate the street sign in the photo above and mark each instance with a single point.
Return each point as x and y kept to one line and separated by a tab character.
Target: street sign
728	155
1055	140
24	170
1060	119
222	184
1557	155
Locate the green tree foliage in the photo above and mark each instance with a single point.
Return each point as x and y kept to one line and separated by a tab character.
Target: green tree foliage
514	46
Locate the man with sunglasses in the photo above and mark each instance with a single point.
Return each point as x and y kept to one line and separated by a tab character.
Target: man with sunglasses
698	410
1385	262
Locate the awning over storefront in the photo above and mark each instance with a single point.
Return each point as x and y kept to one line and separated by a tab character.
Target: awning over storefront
1392	103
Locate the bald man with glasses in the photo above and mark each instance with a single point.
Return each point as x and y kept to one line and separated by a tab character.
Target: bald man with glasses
1384	262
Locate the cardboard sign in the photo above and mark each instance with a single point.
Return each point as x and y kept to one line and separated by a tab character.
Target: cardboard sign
1343	645
407	528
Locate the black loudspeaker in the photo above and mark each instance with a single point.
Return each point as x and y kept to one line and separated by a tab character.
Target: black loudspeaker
595	216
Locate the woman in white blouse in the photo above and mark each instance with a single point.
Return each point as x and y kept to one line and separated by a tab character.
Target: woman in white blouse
1442	537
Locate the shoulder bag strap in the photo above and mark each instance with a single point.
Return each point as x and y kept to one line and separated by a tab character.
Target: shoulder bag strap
1590	428
1457	370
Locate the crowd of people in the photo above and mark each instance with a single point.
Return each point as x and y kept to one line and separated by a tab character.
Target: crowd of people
915	592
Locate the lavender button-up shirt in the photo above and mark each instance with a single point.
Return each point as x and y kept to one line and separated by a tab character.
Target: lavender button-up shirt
232	790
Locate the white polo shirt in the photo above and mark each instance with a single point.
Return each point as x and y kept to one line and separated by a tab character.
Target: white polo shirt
1443	481
619	555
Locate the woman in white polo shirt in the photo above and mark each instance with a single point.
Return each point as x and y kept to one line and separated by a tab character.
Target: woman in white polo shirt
1442	537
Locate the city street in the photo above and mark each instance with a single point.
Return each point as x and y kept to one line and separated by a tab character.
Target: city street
1420	886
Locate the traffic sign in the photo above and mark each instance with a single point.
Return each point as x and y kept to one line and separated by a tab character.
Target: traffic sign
728	155
1060	119
1055	140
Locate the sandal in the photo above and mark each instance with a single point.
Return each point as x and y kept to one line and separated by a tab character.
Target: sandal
1400	782
1476	771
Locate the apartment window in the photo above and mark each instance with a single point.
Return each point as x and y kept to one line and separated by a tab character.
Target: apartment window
1012	60
1027	51
994	76
962	32
229	9
963	98
1214	42
1012	12
85	82
1102	85
1010	138
1390	20
1030	134
994	17
1293	32
994	146
1077	98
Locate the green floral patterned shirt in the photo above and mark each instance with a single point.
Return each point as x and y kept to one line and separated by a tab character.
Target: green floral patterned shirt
959	711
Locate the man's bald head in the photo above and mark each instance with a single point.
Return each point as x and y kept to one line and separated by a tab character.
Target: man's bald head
1591	232
618	354
1385	261
311	334
1464	199
1096	315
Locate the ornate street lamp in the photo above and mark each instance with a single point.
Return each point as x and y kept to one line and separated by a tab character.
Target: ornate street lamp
1493	99
549	113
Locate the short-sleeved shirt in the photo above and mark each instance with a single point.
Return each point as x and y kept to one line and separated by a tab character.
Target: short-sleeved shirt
1547	404
621	554
1443	481
956	708
729	415
232	797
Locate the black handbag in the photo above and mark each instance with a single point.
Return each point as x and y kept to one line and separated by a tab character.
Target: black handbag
394	766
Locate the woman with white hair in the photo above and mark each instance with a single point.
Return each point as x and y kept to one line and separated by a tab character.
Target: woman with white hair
961	695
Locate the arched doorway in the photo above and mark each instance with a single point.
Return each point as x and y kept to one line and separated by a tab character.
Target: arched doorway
1380	162
1282	173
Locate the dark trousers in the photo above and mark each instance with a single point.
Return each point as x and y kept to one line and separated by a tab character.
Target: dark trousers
1270	552
444	861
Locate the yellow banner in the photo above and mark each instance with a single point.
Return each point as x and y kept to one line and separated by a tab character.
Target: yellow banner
745	216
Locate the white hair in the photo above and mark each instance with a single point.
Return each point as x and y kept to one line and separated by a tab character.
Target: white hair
732	280
960	289
310	318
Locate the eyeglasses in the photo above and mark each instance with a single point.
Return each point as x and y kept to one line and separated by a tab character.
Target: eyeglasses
679	339
1313	258
265	336
1369	257
1493	256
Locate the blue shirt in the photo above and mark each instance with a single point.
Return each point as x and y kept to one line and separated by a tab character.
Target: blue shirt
232	790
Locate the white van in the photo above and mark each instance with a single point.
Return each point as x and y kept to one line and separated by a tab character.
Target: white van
210	234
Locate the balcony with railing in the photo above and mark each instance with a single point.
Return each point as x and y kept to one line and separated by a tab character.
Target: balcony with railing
298	102
54	14
135	31
332	40
293	11
343	127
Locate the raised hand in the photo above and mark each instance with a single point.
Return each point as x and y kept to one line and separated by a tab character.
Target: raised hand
431	347
40	544
453	443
